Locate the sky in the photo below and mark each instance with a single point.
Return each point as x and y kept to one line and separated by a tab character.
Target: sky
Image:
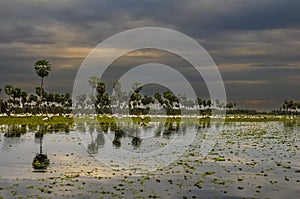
254	43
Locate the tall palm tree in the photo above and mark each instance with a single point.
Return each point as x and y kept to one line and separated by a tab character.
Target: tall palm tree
42	68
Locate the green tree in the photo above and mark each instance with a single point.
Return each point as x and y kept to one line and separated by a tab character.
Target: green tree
67	102
119	97
8	90
229	105
16	93
24	96
42	68
93	82
81	101
199	102
102	101
208	103
169	102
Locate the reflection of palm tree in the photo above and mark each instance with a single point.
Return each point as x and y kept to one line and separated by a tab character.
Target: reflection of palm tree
100	140
136	142
171	125
92	147
204	124
117	142
40	161
95	143
117	139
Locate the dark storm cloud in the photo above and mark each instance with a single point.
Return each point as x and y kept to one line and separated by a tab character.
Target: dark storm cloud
255	43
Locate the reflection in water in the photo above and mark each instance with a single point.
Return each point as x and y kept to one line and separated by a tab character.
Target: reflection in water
204	124
136	142
41	161
13	136
134	133
96	143
249	149
171	126
291	124
15	130
141	144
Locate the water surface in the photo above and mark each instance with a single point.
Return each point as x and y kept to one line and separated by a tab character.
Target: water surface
248	159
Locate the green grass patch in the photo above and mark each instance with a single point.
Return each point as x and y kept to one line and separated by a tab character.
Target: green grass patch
139	120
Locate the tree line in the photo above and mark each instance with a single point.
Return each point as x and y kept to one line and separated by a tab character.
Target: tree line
19	101
136	103
99	101
289	107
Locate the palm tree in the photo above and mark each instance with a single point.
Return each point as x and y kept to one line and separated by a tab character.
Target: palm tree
24	96
93	82
8	90
42	68
102	99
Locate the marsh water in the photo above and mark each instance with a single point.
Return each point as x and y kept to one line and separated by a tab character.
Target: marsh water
94	160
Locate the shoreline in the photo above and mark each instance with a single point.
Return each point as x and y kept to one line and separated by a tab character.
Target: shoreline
69	118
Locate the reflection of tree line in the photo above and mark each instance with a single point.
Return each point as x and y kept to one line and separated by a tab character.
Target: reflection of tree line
292	124
164	131
40	161
204	124
16	130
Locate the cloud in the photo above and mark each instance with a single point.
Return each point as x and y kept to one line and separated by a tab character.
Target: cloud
253	42
245	82
256	101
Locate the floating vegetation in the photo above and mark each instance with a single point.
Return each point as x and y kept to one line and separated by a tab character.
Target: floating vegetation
219	159
208	173
71	176
286	166
199	184
220	182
